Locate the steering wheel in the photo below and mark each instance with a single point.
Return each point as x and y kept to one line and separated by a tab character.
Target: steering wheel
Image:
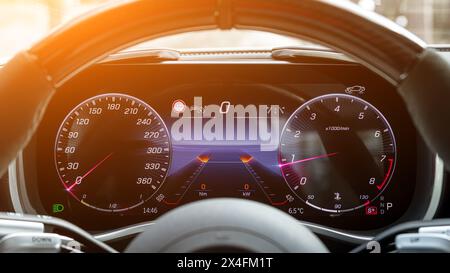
29	80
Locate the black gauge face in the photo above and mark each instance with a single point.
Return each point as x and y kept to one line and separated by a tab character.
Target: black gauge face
337	153
112	152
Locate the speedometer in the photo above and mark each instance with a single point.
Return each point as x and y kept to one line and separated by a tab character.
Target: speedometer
337	153
112	152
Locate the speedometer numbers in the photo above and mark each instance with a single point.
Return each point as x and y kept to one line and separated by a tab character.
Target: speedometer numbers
112	152
337	153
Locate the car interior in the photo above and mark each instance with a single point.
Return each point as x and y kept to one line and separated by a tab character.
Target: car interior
339	143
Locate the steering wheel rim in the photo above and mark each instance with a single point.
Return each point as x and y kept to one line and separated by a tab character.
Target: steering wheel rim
227	225
377	42
385	48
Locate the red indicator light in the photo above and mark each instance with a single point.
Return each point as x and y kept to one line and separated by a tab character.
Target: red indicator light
371	210
179	106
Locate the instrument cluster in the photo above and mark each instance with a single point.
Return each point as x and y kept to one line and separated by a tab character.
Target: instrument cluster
138	141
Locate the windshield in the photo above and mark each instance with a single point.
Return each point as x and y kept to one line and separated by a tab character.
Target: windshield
23	22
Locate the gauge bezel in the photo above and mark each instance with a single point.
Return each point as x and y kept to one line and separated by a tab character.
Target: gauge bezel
364	102
147	106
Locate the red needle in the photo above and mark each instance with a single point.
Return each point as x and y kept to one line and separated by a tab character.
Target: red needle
88	172
307	159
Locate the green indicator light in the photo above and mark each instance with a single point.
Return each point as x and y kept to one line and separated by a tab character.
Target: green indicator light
57	208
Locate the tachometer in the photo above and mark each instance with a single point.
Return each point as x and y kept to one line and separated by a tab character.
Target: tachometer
112	152
337	153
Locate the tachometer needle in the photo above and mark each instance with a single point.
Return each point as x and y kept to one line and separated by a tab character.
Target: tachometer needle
307	159
78	181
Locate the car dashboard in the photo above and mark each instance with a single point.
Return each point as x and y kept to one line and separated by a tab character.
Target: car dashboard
310	132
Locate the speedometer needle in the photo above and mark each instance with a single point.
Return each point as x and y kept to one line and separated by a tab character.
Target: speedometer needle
78	181
307	159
